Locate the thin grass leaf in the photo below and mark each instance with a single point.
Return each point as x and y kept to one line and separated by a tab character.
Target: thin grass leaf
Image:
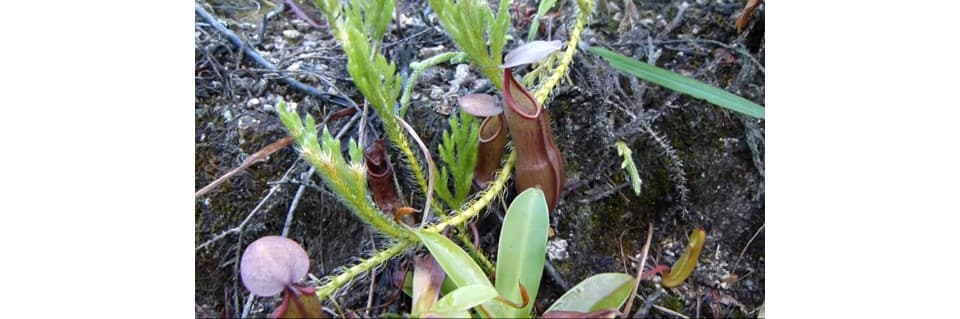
680	83
545	6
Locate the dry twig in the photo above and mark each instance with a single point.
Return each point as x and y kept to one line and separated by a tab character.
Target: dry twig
643	261
260	155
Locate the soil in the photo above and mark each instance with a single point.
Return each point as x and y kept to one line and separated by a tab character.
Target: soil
701	165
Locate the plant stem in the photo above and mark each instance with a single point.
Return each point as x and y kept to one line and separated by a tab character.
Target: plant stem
379	258
584	9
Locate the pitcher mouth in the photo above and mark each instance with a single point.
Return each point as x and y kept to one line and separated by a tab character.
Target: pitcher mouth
491	128
377	165
526	108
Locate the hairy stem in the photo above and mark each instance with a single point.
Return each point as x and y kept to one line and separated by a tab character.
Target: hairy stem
342	279
584	9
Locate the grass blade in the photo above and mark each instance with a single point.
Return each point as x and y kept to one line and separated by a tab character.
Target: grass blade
680	83
545	6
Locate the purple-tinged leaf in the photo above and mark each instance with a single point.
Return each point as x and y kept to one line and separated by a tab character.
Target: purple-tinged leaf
272	263
530	52
299	302
481	105
427	278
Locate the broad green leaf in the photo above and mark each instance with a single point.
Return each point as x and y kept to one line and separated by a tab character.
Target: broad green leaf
523	247
460	268
602	291
680	83
464	298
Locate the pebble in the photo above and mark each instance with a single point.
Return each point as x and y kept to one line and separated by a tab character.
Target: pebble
431	51
557	250
414	21
268	108
461	74
291	34
245	125
436	92
252	103
295	66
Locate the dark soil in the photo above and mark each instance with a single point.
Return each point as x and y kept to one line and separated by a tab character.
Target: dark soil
701	165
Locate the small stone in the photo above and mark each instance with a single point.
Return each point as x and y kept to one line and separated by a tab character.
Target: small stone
247	126
295	66
413	21
252	103
268	108
436	93
292	35
479	84
557	250
431	51
300	25
459	76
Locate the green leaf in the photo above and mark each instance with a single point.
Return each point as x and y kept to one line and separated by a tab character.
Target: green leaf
457	263
628	164
680	83
498	31
466	22
545	6
602	291
464	298
523	247
460	268
458	151
688	261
